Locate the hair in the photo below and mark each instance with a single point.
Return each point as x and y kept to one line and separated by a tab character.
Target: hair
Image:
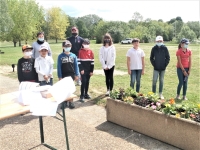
40	33
135	40
179	45
107	36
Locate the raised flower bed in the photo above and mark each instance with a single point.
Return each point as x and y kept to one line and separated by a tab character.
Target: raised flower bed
160	119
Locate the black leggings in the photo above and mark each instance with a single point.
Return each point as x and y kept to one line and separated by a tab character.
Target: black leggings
85	79
109	78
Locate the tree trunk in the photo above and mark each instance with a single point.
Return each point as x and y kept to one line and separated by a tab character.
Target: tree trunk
15	43
20	43
56	40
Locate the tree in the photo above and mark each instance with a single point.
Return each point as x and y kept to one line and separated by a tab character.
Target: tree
195	26
27	17
83	31
186	32
100	30
137	18
72	23
6	23
58	22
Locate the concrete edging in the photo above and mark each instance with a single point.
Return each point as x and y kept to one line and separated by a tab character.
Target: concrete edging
182	133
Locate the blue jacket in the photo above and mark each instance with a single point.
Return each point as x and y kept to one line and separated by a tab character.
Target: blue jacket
67	64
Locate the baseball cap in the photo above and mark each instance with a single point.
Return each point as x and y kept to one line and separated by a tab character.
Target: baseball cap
159	38
86	41
43	47
74	28
65	43
184	40
24	47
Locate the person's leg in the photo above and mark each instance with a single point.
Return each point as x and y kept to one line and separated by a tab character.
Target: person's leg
161	81
87	86
180	84
107	79
185	82
133	77
138	78
83	80
111	83
155	78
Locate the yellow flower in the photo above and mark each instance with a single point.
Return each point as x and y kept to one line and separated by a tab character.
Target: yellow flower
177	115
198	106
150	93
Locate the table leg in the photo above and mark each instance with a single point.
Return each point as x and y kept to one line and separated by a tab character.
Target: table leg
65	126
41	129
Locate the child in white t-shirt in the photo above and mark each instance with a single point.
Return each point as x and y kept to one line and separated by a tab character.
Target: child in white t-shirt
135	64
44	67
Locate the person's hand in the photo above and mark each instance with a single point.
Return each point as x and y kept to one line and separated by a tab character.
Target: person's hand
188	72
49	76
82	72
46	77
129	72
142	72
106	68
91	73
185	73
76	78
60	79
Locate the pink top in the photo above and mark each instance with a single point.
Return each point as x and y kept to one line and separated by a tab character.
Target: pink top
184	56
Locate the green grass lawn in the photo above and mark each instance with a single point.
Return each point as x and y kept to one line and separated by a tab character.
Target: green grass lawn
97	82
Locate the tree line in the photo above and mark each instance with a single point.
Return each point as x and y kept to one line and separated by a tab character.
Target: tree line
22	19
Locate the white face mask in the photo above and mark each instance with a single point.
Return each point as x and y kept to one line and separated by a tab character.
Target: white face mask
28	54
86	46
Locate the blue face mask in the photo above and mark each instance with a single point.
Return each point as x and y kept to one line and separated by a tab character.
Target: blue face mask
159	44
67	49
185	46
41	39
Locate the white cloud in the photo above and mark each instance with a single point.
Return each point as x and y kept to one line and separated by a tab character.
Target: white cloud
123	10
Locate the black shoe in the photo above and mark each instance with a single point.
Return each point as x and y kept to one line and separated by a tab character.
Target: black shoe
71	105
65	105
86	96
81	99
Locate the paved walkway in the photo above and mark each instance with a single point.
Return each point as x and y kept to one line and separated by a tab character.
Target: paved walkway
87	130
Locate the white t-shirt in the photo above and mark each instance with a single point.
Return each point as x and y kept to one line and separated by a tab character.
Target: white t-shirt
135	58
44	66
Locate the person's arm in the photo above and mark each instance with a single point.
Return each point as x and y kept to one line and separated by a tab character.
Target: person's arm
181	66
128	65
152	58
79	63
101	58
59	64
19	71
37	68
143	64
33	51
190	63
92	65
49	50
76	66
167	57
51	67
113	56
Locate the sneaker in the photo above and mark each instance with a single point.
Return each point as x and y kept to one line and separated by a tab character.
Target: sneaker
185	98
65	105
178	97
71	105
107	93
86	96
78	83
161	96
81	99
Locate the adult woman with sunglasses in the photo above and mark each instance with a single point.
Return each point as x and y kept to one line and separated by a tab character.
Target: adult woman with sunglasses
183	67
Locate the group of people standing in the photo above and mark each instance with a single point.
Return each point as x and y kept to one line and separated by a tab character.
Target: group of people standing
77	61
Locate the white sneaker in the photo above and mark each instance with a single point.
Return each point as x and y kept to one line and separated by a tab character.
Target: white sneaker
107	93
161	96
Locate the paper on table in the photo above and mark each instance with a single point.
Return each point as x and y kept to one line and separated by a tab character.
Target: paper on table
62	89
43	107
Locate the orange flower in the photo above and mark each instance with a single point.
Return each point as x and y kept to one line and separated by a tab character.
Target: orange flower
172	101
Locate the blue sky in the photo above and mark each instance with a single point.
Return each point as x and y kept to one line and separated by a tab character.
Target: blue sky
188	10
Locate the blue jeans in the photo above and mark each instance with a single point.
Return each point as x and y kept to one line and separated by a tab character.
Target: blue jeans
136	75
45	83
161	80
181	81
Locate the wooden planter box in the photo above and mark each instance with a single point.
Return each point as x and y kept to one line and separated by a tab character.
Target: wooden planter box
182	133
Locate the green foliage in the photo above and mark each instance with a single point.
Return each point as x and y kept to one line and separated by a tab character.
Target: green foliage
195	26
186	32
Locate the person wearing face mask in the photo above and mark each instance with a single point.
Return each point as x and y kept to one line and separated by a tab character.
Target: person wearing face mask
44	67
37	44
76	42
159	58
67	66
25	66
86	68
107	56
183	67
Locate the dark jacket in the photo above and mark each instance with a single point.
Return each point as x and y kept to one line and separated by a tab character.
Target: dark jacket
159	57
76	44
26	70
